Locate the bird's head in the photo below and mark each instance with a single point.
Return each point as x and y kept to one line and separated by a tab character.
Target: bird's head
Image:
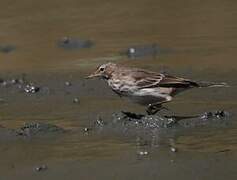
104	71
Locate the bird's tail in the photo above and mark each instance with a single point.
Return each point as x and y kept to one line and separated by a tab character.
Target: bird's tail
211	84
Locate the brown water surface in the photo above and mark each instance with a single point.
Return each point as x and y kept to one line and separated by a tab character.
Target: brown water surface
202	39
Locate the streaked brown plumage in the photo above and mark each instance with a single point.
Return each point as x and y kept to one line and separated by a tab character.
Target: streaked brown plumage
143	86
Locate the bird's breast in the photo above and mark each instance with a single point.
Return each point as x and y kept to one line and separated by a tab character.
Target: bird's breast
114	84
120	87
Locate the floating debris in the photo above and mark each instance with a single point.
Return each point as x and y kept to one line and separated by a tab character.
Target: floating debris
75	100
37	128
14	81
67	83
74	43
215	114
7	48
41	168
4	83
29	88
99	122
31	130
20	83
140	51
173	149
86	129
7	83
223	151
143	153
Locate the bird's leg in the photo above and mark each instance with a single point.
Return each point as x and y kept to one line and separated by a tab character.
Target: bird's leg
154	108
151	110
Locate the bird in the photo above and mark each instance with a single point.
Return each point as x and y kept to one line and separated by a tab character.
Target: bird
146	87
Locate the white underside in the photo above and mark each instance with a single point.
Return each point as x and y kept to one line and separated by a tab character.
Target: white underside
143	96
149	96
150	92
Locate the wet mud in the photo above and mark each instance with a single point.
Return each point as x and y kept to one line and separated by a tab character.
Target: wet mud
147	127
20	84
30	130
73	115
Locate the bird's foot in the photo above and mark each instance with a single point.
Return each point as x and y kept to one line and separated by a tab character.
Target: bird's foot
152	109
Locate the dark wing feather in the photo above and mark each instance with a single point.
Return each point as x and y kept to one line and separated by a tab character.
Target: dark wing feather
171	81
145	79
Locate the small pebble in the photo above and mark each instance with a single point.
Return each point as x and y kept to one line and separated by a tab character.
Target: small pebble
220	114
31	89
86	130
100	122
207	115
75	100
143	153
173	149
4	83
171	120
131	50
41	168
14	81
67	83
142	51
65	40
216	114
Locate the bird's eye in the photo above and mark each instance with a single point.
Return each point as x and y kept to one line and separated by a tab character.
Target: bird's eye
102	69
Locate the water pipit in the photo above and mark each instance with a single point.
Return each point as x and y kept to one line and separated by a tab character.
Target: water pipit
146	87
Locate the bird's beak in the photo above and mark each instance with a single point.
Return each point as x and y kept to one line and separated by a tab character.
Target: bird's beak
92	75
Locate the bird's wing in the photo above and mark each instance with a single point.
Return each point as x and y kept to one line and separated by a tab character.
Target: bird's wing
146	79
176	82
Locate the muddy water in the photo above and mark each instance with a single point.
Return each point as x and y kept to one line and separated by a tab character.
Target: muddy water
201	39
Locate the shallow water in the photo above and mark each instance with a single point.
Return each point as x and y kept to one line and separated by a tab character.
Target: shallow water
200	39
